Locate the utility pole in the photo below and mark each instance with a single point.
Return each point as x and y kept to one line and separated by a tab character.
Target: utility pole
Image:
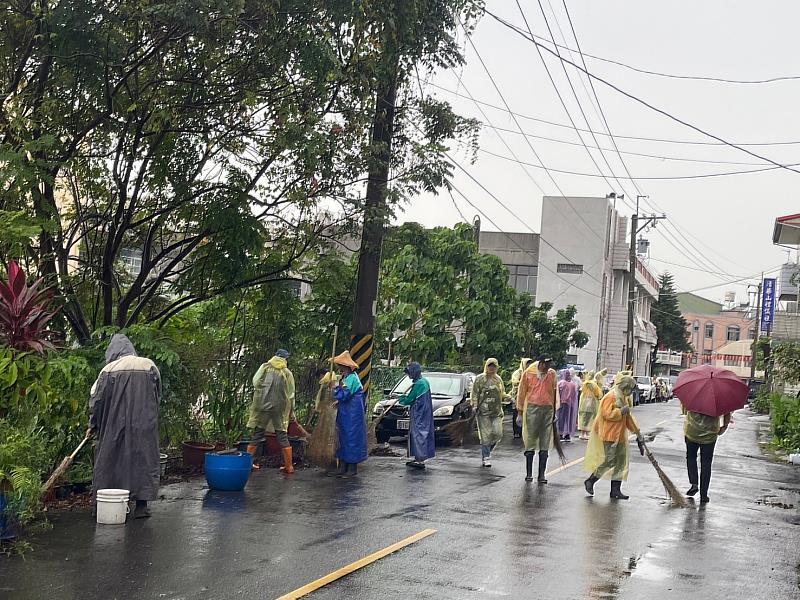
758	331
635	229
375	212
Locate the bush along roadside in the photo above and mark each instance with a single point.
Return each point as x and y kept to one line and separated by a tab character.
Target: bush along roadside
785	422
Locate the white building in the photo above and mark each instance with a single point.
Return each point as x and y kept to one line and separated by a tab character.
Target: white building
584	261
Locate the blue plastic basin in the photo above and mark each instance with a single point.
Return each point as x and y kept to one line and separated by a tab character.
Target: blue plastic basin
228	472
7	529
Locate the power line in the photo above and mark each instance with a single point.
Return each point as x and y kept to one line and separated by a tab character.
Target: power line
617	135
641	101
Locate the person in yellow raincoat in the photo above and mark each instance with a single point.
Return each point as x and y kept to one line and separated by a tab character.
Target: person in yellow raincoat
607	450
273	406
516	377
537	403
487	397
591	394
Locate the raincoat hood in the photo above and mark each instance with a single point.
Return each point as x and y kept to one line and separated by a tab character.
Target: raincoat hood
276	362
414	370
626	383
490	361
600	376
590	376
566	375
525	363
118	347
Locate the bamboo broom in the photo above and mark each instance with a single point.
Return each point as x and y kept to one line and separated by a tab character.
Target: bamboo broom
65	464
322	445
672	490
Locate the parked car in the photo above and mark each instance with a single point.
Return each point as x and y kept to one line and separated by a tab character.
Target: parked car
753	386
450	394
644	385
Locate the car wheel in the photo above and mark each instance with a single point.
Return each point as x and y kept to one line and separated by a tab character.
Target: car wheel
382	437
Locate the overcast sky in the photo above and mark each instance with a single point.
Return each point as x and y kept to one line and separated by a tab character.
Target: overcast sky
729	219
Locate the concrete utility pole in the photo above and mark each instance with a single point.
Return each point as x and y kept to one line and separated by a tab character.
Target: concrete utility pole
635	229
366	300
758	332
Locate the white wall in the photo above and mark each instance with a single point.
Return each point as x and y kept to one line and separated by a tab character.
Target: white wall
575	230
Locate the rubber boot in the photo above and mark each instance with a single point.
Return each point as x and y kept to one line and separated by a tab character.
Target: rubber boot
141	511
287	467
589	484
252	449
350	471
339	471
542	466
528	465
616	491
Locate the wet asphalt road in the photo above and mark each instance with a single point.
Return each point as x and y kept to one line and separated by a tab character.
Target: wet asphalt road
497	536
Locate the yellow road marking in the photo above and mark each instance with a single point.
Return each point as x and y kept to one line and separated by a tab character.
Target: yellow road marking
363	562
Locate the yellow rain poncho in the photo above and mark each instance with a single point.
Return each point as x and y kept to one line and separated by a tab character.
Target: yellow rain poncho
487	397
590	398
537	401
273	396
607	450
516	377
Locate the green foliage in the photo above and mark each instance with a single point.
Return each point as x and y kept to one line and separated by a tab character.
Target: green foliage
24	460
785	422
762	402
785	358
17	229
671	328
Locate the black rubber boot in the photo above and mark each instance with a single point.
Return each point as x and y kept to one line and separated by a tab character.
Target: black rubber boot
616	491
589	484
350	471
542	466
141	511
692	490
340	470
528	465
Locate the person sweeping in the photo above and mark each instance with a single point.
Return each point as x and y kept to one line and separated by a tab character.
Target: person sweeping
421	440
123	416
487	399
351	425
272	408
607	450
591	394
537	403
568	411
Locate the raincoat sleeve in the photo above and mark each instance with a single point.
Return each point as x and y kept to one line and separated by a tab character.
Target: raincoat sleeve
558	396
96	401
610	411
345	391
522	391
415	392
477	391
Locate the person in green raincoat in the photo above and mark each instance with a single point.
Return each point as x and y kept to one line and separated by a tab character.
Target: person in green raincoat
273	406
591	393
487	397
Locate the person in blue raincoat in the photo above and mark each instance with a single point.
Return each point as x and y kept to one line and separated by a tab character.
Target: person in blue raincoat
421	440
351	424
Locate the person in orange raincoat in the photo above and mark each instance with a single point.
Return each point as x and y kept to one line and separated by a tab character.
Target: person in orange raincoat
607	450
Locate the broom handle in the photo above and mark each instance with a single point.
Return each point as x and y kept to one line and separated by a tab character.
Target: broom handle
86	438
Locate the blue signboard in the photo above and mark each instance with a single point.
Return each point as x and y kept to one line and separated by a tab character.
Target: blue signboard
767	304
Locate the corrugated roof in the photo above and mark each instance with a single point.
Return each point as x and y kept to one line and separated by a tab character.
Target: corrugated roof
694	304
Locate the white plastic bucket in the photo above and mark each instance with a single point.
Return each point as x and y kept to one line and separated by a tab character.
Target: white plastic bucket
112	506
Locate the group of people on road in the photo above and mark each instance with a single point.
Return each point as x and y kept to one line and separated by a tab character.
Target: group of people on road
125	400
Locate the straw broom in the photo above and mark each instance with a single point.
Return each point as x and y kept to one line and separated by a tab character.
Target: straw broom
372	435
322	445
671	489
65	464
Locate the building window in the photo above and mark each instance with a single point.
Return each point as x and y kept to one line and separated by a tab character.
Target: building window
751	334
706	357
732	361
132	259
733	333
523	278
709	330
696	326
295	287
569	268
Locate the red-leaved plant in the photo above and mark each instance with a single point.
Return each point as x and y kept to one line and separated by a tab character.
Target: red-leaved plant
25	311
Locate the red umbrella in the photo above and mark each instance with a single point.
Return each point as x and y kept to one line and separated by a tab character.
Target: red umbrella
710	390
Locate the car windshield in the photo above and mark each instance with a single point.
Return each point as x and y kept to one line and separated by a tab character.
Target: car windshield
440	385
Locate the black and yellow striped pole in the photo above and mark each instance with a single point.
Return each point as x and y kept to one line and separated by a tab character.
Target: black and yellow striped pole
361	347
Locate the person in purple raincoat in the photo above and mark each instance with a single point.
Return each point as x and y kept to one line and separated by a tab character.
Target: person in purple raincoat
568	412
421	440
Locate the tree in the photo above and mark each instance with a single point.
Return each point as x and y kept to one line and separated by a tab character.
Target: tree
671	327
435	284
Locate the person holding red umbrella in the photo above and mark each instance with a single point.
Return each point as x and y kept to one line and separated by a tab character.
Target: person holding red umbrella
701	432
707	394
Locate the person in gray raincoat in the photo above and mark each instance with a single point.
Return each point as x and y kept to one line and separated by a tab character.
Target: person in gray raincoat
123	416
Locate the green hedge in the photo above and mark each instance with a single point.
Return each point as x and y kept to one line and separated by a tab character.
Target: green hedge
785	422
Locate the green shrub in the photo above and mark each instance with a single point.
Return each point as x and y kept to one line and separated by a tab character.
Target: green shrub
785	421
762	402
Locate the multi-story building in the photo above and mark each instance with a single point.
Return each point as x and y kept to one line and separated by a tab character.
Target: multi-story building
581	258
712	325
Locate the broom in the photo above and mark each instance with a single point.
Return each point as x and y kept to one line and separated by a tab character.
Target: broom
65	464
458	430
372	435
671	489
321	449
